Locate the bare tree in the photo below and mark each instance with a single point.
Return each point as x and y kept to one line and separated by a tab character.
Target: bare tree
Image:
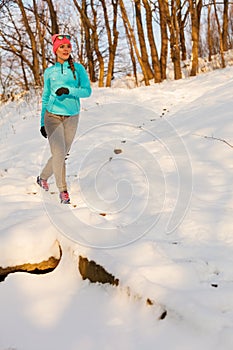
174	36
142	40
17	48
230	24
41	30
151	39
131	51
164	38
6	77
182	15
23	36
88	44
112	38
53	17
220	35
26	28
93	27
131	37
225	25
209	36
35	60
195	7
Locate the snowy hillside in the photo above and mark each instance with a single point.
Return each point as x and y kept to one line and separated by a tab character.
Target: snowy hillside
150	176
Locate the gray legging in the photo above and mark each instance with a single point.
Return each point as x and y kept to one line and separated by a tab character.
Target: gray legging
61	132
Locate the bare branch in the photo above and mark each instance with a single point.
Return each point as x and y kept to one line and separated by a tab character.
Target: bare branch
215	138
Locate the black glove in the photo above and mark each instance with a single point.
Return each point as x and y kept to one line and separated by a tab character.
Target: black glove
62	91
43	132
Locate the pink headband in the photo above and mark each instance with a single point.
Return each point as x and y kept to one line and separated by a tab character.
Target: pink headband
60	39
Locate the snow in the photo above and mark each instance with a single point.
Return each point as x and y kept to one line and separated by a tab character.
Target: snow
165	231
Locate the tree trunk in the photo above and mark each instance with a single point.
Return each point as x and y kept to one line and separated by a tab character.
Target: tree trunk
164	39
30	32
141	38
225	26
176	47
112	44
154	52
131	51
181	23
134	43
174	38
41	29
209	37
88	44
24	75
220	35
195	11
53	17
96	45
94	36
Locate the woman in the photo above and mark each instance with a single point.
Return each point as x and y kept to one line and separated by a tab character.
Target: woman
64	84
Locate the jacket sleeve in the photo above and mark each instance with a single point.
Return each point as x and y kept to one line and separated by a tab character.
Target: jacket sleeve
84	88
45	96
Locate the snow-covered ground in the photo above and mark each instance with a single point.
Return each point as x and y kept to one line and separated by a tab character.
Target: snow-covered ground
158	162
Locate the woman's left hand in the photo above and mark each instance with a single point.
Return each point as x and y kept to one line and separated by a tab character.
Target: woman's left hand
43	132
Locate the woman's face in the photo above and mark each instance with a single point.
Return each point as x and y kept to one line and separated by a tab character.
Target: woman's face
63	52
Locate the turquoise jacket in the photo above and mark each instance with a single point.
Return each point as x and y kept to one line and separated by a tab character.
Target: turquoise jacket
60	75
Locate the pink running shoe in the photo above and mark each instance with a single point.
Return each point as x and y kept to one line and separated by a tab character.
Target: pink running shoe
42	183
64	197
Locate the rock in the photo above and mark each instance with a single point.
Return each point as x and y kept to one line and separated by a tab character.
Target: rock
117	150
42	267
95	273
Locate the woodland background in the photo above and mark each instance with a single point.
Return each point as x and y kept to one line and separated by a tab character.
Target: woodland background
111	38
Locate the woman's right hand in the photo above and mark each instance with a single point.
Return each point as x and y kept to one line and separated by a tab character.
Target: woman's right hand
62	91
